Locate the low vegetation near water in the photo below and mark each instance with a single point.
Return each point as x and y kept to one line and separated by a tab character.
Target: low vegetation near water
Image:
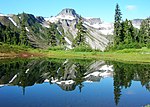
127	55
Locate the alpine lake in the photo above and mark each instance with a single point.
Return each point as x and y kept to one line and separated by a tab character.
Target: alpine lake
50	82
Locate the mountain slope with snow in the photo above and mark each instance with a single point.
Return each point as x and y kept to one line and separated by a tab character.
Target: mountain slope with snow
98	33
97	30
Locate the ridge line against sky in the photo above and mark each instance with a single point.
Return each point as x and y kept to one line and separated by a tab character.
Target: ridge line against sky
103	9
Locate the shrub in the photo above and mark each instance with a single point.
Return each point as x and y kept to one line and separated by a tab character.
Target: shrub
55	48
82	49
122	46
148	45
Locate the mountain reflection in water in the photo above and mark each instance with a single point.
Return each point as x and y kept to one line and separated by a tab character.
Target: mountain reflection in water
69	74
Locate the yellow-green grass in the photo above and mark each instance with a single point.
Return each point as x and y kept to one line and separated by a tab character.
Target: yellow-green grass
126	55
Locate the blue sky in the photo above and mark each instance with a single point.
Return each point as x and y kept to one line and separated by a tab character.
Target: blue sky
103	9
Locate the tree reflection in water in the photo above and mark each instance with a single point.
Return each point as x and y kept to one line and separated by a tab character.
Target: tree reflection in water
68	74
125	73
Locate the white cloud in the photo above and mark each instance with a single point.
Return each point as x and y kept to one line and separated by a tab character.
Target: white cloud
130	7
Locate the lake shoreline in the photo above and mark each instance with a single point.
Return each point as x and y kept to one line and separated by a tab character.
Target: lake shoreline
126	55
110	56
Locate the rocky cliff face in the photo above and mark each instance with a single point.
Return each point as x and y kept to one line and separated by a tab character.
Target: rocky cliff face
97	30
68	12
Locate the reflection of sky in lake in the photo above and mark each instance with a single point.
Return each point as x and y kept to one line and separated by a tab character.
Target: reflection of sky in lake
73	83
96	94
136	95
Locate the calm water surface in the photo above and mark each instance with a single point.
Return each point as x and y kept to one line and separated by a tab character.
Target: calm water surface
73	83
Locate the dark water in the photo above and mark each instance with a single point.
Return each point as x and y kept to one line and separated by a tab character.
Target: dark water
73	83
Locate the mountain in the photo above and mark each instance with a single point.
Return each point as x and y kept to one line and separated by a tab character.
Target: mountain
97	36
98	32
137	23
36	33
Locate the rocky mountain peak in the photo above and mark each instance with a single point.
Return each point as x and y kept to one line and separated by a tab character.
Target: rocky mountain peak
68	12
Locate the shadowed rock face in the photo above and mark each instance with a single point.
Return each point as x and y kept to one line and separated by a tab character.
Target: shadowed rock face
68	12
40	19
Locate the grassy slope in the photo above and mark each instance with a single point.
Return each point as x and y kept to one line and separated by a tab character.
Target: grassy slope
127	55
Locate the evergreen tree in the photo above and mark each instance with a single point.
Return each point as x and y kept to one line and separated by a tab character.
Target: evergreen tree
124	33
132	31
62	40
1	35
144	33
117	26
4	35
14	39
80	39
23	34
52	35
8	35
128	32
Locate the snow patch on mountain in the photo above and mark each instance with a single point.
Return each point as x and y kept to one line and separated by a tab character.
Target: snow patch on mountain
66	17
51	19
68	41
2	14
97	26
65	14
59	31
60	17
107	32
12	21
104	28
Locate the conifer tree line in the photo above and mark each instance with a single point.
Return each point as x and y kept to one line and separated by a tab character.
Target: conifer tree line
8	36
126	36
14	36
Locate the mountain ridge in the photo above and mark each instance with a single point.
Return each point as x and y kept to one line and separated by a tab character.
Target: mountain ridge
98	35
